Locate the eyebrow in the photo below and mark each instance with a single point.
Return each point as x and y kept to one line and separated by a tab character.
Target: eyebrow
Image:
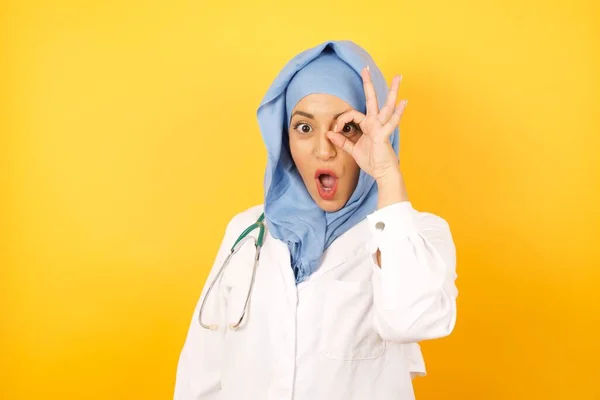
307	115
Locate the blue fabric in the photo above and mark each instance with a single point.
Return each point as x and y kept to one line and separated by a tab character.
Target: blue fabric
325	74
291	214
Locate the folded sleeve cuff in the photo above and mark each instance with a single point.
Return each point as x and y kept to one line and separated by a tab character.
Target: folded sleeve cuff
392	222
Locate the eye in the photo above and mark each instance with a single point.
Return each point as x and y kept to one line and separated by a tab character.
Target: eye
302	127
350	128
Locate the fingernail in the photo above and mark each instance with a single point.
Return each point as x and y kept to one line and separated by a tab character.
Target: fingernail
368	68
335	128
405	103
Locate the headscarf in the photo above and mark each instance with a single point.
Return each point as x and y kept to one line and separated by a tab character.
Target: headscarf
292	216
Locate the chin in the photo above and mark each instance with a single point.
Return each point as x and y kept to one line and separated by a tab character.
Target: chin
329	205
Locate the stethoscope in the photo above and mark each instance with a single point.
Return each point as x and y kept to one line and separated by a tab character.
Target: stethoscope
243	238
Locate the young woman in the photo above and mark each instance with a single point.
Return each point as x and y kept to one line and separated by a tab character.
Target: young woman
350	276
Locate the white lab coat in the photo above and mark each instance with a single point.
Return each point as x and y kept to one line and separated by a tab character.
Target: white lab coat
350	331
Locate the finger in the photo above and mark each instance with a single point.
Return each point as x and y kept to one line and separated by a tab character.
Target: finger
341	141
370	96
350	116
387	110
395	118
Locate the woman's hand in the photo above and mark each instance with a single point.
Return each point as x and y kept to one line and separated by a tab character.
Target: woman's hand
373	151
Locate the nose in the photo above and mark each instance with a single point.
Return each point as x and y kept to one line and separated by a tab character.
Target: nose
324	149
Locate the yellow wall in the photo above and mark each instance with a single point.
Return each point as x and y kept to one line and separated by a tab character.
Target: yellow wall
129	138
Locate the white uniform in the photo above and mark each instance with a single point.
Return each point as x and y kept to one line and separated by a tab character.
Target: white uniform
350	331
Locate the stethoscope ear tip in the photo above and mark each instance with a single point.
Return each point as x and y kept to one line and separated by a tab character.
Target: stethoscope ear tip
233	326
213	327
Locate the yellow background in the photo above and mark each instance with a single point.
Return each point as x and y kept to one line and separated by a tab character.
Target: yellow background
128	140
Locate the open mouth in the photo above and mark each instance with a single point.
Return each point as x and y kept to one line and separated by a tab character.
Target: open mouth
327	182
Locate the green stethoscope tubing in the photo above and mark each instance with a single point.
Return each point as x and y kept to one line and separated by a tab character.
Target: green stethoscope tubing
237	245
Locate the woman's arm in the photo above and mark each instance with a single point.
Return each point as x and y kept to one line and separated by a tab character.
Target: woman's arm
414	280
198	371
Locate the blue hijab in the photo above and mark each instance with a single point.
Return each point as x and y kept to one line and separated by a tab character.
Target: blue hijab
292	216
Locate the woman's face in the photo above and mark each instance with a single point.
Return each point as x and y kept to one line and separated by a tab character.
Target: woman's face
330	174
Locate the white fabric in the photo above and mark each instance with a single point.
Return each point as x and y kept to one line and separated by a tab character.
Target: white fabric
350	331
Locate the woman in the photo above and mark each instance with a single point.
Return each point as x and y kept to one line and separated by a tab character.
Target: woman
350	278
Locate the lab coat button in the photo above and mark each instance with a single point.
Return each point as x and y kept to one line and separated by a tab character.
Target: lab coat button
380	226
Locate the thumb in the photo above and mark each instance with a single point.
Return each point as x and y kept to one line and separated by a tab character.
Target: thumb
341	141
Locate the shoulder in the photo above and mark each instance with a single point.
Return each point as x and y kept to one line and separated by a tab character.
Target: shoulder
236	225
245	218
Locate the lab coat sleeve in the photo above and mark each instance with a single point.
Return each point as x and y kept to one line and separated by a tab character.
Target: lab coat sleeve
414	290
198	371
